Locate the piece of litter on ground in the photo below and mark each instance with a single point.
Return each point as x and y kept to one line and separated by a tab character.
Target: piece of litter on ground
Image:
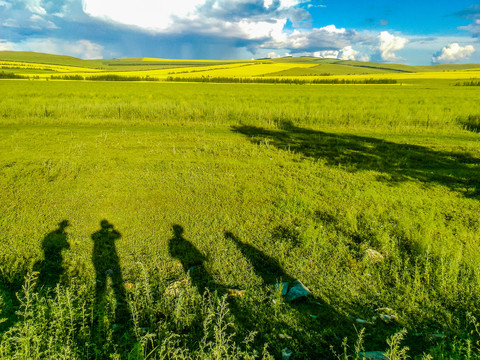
283	286
384	310
387	318
297	291
176	288
235	293
374	256
374	355
286	354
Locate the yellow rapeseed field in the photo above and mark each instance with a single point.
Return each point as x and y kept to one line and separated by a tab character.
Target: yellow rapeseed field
37	66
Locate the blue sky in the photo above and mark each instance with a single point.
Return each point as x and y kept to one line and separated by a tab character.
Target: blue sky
409	32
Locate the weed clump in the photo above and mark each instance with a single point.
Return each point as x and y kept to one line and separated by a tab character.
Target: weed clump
470	122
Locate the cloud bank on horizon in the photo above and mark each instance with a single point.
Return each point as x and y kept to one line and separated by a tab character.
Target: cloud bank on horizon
432	32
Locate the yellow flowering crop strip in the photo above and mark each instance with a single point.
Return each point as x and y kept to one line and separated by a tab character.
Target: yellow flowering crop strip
38	66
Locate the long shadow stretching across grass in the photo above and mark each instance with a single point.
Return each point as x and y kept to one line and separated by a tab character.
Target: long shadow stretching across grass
268	268
402	162
311	312
106	262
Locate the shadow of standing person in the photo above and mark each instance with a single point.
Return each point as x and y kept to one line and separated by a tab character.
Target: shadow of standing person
190	257
106	262
268	268
51	268
315	315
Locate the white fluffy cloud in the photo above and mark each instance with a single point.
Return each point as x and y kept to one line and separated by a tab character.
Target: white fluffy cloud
327	37
82	48
150	14
327	54
246	19
35	6
452	53
347	53
389	44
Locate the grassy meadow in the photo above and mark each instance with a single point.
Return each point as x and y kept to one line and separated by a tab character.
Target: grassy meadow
153	220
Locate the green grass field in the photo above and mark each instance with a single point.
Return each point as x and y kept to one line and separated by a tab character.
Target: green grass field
153	220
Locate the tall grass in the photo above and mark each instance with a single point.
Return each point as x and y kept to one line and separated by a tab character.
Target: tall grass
368	195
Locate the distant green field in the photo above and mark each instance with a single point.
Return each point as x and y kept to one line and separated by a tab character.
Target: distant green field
155	220
332	69
377	66
41	58
295	70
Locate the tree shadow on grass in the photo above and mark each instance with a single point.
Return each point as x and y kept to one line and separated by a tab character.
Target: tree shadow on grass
402	162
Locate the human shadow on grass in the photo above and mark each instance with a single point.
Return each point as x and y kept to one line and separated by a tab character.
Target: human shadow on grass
107	266
320	321
9	287
192	260
51	268
402	162
50	271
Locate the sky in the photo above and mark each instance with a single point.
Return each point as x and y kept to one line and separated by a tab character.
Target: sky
407	32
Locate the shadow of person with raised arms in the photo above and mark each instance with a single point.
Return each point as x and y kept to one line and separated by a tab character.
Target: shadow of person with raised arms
51	268
107	265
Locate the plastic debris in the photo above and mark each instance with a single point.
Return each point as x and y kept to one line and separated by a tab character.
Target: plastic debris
362	321
235	293
286	354
176	288
374	256
283	286
297	291
388	318
376	355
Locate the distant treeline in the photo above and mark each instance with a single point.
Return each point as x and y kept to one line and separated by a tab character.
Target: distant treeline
105	77
469	83
7	75
278	80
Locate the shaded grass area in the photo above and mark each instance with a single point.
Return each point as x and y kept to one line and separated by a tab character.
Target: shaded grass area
400	162
470	122
139	222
